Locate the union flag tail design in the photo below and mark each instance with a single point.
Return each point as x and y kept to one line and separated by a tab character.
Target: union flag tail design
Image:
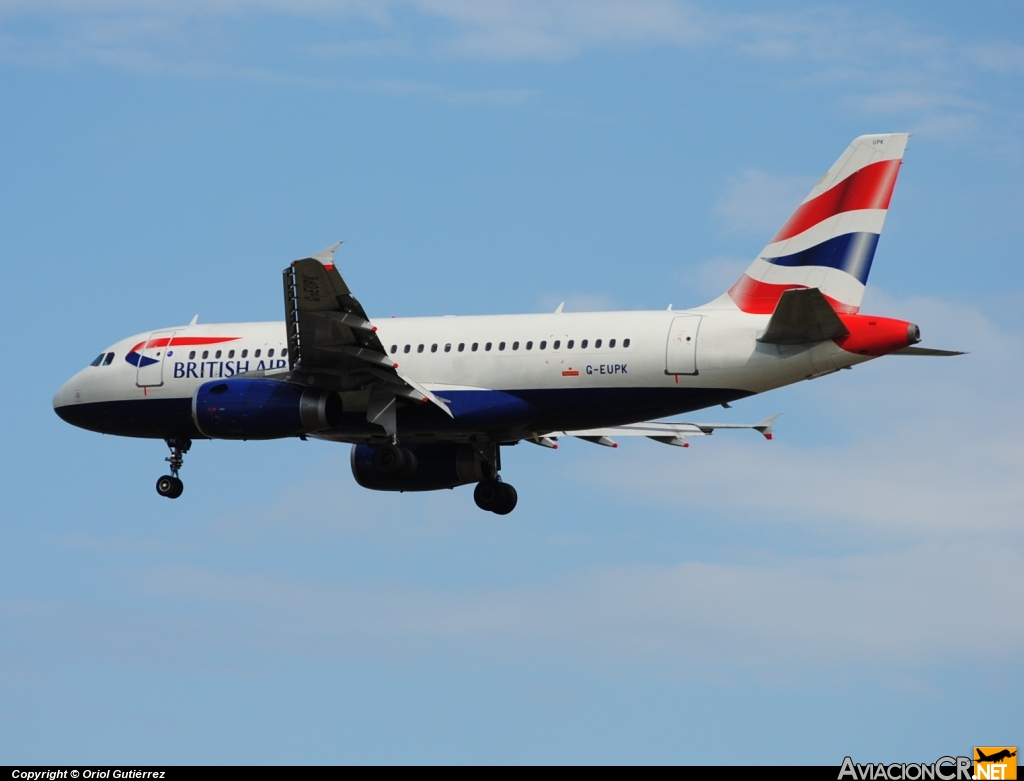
830	240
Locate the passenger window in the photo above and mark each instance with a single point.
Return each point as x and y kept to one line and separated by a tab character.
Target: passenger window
557	343
583	345
487	347
394	349
625	342
419	349
475	345
529	345
192	355
254	355
433	348
206	354
109	359
245	353
543	345
569	345
448	347
231	353
217	354
515	345
462	346
284	352
98	360
611	342
501	345
270	353
406	348
597	344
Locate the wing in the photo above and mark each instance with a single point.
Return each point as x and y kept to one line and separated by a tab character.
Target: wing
667	433
332	343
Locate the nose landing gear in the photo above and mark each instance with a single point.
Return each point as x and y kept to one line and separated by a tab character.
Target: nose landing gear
170	485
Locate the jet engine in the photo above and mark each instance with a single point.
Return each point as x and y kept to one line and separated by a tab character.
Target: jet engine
417	467
262	409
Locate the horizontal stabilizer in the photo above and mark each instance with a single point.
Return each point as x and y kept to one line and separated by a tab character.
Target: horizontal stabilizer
927	351
803	316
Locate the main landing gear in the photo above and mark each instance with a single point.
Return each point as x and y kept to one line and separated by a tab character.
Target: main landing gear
490	493
170	485
495	496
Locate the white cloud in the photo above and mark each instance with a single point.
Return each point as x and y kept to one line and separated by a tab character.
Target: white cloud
759	203
578	302
531	29
782	616
716	275
921	445
442	94
923	475
863	56
999	56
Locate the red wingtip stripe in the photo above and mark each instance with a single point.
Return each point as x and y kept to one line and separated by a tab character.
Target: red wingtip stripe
869	188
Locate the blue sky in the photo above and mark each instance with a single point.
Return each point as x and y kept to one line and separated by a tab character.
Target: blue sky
853	587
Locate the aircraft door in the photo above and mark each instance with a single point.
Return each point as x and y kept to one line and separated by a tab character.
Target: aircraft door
681	350
150	370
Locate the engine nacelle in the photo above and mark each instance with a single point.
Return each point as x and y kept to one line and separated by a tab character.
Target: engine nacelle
262	409
434	467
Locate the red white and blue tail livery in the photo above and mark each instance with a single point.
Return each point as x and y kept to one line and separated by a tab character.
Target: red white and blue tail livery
428	403
829	241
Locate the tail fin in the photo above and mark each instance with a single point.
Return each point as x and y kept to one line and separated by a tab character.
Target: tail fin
830	240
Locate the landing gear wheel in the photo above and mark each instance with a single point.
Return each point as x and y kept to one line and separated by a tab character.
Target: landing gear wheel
168	486
495	497
486	494
509	498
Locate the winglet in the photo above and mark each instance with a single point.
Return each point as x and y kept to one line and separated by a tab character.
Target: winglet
765	426
561	306
326	256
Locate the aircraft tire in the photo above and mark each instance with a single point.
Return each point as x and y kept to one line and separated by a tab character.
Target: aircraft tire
487	494
495	497
509	499
171	487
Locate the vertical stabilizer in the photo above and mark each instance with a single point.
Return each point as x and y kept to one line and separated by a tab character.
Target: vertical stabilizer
829	241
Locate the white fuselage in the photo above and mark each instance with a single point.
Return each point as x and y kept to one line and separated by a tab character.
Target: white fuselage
578	369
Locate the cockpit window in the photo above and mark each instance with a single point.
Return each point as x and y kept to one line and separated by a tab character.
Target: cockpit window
109	359
98	360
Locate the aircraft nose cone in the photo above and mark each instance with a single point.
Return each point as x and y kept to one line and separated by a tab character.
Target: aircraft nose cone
67	401
62	404
60	398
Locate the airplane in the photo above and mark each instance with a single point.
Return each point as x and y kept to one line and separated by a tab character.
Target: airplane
999	756
427	403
